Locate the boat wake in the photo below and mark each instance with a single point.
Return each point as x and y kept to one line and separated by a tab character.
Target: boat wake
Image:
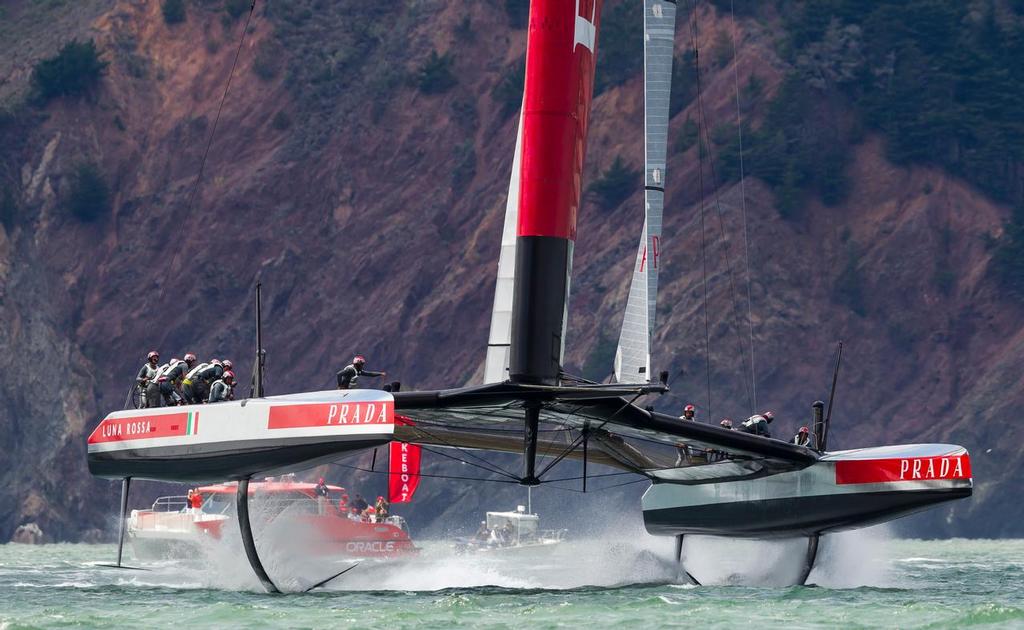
619	557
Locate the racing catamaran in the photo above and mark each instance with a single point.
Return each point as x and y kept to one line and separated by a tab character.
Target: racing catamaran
730	484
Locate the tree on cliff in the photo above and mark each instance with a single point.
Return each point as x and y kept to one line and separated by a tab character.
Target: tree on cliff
1009	255
72	72
174	11
89	195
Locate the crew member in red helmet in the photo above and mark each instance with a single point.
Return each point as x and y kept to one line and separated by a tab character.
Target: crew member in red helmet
349	375
146	374
223	388
758	424
803	437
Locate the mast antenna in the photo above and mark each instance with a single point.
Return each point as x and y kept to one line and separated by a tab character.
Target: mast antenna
831	398
261	354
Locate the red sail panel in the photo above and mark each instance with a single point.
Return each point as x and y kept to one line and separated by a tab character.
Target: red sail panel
903	469
405	472
560	60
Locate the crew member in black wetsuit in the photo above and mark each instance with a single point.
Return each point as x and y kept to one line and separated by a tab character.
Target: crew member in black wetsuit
192	389
170	387
146	374
223	388
803	437
349	375
202	381
758	424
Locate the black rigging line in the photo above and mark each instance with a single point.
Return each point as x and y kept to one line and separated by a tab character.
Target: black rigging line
703	241
743	205
582	436
389	473
497	469
486	464
213	131
463	461
702	126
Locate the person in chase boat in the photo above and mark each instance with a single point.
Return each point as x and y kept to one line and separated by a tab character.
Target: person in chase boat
349	375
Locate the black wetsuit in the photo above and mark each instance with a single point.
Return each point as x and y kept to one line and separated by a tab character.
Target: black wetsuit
360	504
192	388
203	380
756	424
348	376
155	389
219	391
145	376
169	387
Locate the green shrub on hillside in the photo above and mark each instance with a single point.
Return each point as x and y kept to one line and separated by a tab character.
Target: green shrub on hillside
942	79
235	8
684	83
509	91
619	46
1008	258
72	72
89	196
615	185
267	63
8	209
465	164
518	12
848	289
281	121
174	11
464	30
799	147
435	75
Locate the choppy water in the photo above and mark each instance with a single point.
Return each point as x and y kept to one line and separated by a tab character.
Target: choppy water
865	581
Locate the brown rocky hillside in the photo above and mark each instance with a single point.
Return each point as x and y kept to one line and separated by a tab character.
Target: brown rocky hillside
370	205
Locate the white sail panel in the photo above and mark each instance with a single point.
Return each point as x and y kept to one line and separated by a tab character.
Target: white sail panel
500	340
633	355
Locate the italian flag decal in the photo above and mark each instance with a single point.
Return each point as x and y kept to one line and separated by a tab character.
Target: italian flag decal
193	423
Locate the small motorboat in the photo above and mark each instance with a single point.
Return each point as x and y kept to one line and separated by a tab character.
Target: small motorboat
171	529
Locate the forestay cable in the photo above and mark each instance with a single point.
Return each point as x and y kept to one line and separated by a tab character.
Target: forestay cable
743	205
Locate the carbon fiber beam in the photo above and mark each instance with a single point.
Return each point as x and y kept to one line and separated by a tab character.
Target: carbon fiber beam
245	528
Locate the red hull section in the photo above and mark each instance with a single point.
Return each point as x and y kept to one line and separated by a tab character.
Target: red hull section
859	471
336	535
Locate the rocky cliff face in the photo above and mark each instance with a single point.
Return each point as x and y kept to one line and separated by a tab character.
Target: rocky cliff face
369	201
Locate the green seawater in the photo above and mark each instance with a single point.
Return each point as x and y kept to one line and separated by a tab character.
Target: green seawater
865	581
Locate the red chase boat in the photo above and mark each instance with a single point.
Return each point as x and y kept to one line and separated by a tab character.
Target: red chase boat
171	529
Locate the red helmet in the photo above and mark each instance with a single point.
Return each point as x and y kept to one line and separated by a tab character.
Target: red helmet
380	498
769	416
360	359
214	361
190	358
689	408
726	423
321	480
229	376
804	430
228	365
153	355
